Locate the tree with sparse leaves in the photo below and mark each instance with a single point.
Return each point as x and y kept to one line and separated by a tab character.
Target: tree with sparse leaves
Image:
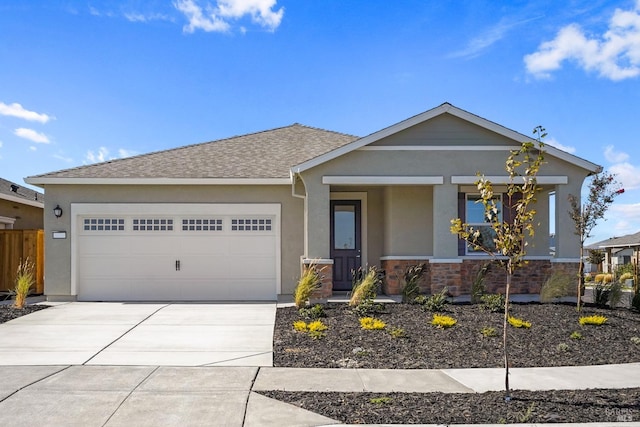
509	237
603	189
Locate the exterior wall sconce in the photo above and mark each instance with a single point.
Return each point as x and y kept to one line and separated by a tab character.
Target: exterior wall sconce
57	211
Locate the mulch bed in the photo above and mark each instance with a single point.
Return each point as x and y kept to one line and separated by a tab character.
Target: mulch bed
566	406
8	312
547	343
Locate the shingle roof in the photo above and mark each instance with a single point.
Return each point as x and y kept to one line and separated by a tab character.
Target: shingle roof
267	154
617	242
8	188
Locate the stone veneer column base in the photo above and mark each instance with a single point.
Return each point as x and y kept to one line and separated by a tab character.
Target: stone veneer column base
325	268
394	270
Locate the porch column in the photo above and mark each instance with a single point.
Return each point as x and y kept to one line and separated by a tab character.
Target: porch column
445	208
317	220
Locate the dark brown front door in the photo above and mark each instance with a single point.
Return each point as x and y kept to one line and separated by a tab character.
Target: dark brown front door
345	242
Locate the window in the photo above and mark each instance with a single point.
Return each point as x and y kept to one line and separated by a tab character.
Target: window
253	224
103	224
476	218
155	224
202	224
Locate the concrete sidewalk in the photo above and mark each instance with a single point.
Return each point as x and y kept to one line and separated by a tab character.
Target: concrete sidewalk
178	396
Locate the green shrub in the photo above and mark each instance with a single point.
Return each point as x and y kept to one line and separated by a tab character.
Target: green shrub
575	335
518	323
312	313
562	347
368	307
624	269
412	278
443	322
366	288
371	323
557	285
308	283
493	302
380	400
397	333
435	302
489	332
609	293
24	281
477	287
595	319
625	276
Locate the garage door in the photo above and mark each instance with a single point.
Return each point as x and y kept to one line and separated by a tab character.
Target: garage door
177	252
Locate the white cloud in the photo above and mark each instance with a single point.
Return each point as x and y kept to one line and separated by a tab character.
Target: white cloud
627	174
32	135
141	17
33	148
613	156
102	155
123	152
217	17
17	110
554	143
615	55
488	37
63	158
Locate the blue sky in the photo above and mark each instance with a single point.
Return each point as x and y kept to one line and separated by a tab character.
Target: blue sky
87	81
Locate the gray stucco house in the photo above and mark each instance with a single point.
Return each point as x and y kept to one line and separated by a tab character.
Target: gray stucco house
238	218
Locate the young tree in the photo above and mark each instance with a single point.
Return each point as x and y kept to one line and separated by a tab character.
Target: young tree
509	237
596	257
603	188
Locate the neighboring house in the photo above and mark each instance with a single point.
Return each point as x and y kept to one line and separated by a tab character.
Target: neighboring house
239	218
619	251
20	207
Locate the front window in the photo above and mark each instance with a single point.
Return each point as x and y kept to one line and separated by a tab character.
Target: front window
477	219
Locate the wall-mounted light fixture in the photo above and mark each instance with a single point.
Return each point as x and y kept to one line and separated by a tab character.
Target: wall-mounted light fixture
57	211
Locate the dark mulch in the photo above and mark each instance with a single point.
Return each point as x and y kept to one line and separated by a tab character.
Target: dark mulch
8	312
547	343
346	345
567	406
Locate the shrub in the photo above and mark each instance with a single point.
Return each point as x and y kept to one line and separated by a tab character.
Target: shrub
603	278
313	313
623	269
315	329
488	332
442	321
435	302
316	325
366	288
588	278
412	277
308	283
24	281
493	302
371	323
575	335
367	308
607	294
625	276
380	400
518	323
477	287
562	347
556	286
300	326
397	333
635	340
595	319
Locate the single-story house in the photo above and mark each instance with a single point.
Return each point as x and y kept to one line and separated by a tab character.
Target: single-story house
239	218
20	208
619	251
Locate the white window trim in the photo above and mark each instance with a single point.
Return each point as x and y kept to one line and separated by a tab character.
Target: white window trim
8	222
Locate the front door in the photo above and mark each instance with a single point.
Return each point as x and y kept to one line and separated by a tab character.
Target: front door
345	242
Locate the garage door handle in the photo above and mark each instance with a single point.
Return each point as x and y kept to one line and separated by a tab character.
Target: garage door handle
177	265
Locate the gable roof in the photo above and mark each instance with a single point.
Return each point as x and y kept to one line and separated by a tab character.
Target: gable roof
618	242
445	108
264	157
15	193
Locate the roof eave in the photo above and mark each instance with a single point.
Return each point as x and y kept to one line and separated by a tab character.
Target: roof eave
10	198
42	181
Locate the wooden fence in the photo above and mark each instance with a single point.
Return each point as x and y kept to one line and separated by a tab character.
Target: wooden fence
15	246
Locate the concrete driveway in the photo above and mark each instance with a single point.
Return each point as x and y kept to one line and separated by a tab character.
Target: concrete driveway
157	334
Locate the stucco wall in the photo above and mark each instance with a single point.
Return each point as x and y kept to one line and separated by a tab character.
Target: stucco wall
27	217
58	260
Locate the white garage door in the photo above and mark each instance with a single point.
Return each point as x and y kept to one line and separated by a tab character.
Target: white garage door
177	252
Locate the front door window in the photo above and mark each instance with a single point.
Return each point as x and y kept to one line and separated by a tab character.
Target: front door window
345	242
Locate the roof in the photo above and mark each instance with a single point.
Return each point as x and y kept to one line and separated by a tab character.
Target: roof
618	242
15	193
266	155
445	108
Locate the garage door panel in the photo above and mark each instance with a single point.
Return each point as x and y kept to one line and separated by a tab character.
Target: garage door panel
218	263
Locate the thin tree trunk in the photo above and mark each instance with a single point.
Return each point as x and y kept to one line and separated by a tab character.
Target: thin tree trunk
504	332
580	278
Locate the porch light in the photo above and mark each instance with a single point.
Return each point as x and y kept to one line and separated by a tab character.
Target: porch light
57	211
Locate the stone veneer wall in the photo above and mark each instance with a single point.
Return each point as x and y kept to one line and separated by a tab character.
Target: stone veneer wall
394	276
326	277
459	276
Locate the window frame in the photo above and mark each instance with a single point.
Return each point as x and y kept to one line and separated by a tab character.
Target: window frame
469	250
